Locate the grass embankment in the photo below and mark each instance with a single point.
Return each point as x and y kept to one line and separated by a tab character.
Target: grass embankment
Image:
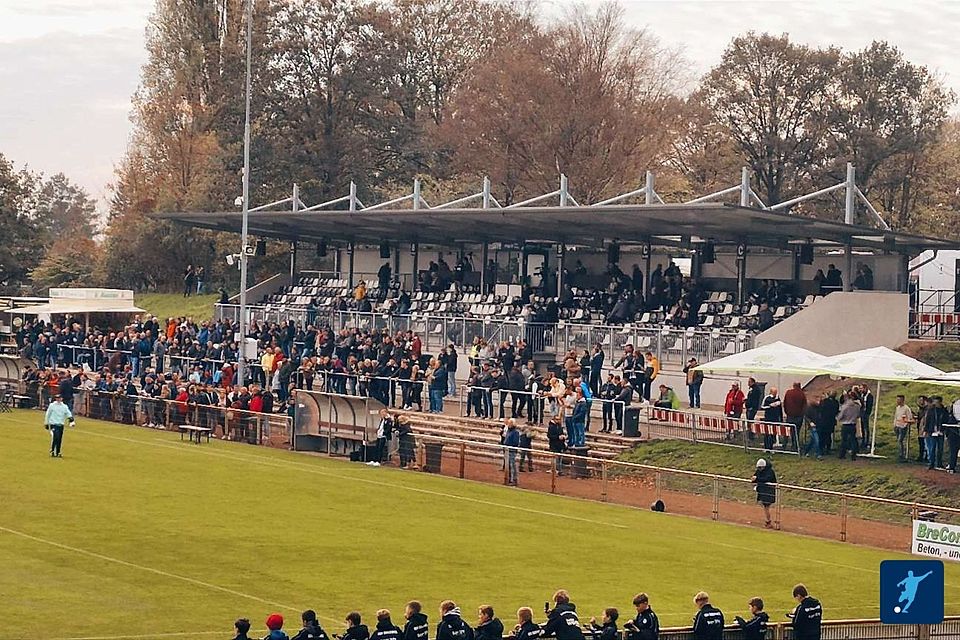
883	477
174	305
134	532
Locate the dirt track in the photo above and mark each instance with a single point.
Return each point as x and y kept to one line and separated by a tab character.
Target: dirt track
641	492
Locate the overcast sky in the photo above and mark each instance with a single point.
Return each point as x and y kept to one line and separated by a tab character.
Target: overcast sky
69	67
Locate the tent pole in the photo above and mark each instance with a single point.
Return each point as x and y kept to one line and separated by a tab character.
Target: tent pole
876	412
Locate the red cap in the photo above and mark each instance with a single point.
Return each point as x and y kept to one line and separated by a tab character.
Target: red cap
274	621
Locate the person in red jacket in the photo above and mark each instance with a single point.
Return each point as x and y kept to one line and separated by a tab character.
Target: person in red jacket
794	408
733	405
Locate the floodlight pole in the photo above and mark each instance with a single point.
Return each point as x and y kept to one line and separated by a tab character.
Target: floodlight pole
241	360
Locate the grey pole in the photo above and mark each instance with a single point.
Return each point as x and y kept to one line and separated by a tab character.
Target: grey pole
484	255
741	273
851	193
350	265
241	362
848	275
293	243
744	187
415	251
648	189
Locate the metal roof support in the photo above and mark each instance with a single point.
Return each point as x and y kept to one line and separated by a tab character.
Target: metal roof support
717	194
563	190
809	196
296	197
486	193
745	189
851	186
523	203
272	204
648	188
416	194
353	196
871	209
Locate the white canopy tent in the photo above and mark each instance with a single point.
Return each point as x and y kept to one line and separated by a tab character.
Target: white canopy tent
776	357
877	363
83	302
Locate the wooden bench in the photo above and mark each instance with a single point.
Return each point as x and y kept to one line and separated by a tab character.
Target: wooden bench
192	431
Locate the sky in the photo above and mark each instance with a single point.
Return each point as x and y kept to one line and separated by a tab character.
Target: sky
68	68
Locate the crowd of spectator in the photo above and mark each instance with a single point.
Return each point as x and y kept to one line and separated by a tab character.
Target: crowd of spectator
562	621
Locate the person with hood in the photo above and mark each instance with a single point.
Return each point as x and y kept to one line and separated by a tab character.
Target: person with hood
386	630
489	627
807	616
608	629
451	625
511	441
242	625
708	623
756	627
311	627
275	625
355	630
526	628
646	626
416	627
557	439
766	479
562	621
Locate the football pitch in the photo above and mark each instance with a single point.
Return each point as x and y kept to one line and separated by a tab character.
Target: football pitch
135	533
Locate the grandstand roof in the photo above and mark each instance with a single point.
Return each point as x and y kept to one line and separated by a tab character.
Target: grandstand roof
660	224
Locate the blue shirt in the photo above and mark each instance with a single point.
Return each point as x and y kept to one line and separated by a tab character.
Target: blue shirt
58	413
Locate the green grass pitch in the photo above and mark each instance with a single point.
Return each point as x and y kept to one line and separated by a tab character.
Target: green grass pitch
136	533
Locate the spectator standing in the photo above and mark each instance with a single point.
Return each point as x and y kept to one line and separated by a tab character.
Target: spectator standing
694	382
651	369
527	435
275	626
902	420
866	413
201	280
489	627
562	621
756	627
733	403
596	368
355	630
608	629
708	623
608	393
451	367
438	386
557	441
812	417
311	627
511	441
189	281
416	627
386	630
646	625
526	628
934	419
242	625
952	431
451	625
807	615
847	417
772	407
827	421
766	479
754	398
794	408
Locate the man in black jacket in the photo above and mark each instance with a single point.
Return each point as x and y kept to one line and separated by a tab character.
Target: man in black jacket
417	627
596	369
807	616
526	628
311	627
562	621
622	402
386	630
355	630
490	627
708	623
756	627
608	629
754	398
451	625
608	393
557	440
646	626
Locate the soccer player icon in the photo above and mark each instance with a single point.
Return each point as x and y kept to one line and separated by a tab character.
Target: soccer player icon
909	584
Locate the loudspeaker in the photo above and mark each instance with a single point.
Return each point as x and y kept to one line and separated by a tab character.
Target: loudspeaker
613	254
708	253
261	249
806	254
322	249
384	250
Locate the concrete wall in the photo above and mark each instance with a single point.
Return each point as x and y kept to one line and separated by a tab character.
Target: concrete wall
846	321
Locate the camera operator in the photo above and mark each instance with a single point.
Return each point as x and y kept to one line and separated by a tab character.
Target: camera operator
562	621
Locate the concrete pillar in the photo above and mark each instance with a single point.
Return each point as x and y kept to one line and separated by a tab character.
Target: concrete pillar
561	252
848	267
741	273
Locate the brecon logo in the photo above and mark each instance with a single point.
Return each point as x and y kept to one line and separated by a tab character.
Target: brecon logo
911	591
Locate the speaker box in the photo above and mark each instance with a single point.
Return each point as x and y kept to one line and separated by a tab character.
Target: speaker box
384	250
708	254
322	249
613	254
806	254
261	249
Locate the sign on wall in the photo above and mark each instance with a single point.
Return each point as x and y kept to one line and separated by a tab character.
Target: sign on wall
935	540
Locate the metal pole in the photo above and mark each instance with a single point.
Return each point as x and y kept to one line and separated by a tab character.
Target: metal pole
648	189
241	364
563	190
484	256
416	264
744	187
848	275
350	265
561	250
851	193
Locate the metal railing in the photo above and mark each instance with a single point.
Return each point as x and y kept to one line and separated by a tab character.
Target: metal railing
749	435
671	345
863	629
934	315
